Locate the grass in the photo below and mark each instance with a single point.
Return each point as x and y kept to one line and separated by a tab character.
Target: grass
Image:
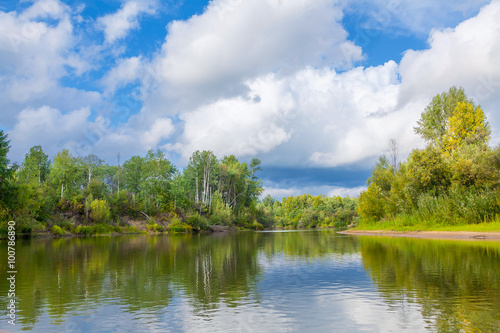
413	223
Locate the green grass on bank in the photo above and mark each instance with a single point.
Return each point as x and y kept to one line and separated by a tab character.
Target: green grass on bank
413	223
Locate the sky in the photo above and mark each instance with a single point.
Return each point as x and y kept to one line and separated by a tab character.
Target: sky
314	89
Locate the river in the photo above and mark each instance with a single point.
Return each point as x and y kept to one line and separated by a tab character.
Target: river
297	281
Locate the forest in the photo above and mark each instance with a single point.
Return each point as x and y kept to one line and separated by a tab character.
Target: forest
85	196
454	181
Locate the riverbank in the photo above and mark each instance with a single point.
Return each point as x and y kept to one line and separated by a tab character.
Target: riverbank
491	235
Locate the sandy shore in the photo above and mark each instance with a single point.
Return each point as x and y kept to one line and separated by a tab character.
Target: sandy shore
427	234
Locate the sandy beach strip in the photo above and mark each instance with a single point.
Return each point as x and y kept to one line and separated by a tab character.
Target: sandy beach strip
469	235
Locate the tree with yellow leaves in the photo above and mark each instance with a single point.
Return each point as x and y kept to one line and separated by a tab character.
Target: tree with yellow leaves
467	125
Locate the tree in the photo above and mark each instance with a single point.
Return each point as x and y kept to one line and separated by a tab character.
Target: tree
201	174
158	173
35	167
6	172
92	166
467	125
64	171
393	153
132	174
434	120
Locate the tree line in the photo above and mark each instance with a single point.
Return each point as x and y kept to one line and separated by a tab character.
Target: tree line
453	181
86	195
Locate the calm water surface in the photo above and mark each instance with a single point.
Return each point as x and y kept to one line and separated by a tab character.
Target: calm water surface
309	281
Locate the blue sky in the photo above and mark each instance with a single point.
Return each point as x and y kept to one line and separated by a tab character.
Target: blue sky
313	89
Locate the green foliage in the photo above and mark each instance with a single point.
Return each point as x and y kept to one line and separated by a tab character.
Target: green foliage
35	167
255	226
99	211
177	226
433	123
221	212
467	125
154	227
83	230
57	230
198	222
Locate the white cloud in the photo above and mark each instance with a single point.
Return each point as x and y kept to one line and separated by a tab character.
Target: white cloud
160	130
126	71
212	55
46	9
242	125
35	55
76	131
331	191
314	117
48	127
117	25
418	17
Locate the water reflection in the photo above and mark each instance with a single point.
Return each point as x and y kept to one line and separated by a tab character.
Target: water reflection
457	283
253	282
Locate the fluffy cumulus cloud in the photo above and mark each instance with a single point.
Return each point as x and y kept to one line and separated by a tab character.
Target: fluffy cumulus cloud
35	55
50	128
315	117
126	71
215	53
81	135
117	25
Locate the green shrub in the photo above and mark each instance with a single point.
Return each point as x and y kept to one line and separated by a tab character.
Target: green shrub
102	229
198	222
155	227
99	211
178	226
130	229
57	230
221	213
257	226
84	230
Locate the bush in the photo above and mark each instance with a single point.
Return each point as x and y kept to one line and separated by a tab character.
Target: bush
178	226
198	222
256	226
101	229
99	211
155	227
221	213
57	230
83	230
